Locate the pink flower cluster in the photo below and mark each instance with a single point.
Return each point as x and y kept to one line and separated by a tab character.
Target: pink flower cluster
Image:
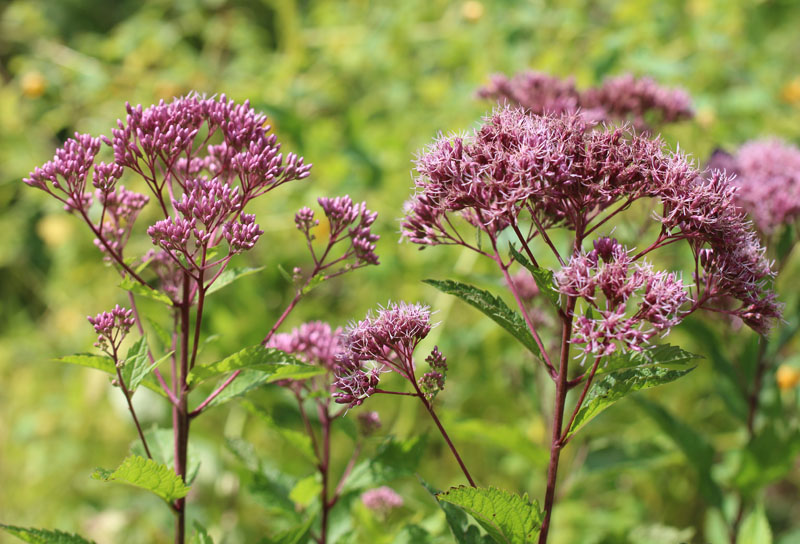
382	342
313	342
624	98
111	328
382	499
519	170
768	181
607	278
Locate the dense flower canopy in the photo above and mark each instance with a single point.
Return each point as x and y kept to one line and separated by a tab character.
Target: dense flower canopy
553	171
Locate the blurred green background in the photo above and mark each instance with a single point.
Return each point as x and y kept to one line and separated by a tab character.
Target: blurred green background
357	88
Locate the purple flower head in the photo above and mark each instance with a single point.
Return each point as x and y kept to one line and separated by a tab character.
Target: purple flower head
304	221
314	343
382	500
210	202
168	271
354	221
767	180
525	285
614	275
520	169
121	208
537	92
368	423
111	328
67	172
173	234
382	341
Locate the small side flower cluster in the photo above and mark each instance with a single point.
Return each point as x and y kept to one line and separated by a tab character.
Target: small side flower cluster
111	328
382	500
380	343
529	172
606	278
348	222
433	381
314	343
639	101
768	181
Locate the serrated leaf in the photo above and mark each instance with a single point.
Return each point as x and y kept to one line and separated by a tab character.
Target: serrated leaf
696	448
300	441
106	364
542	276
200	535
230	275
296	372
146	474
491	306
136	365
162	447
463	531
247	381
265	360
306	491
664	355
44	536
129	284
508	518
755	528
624	380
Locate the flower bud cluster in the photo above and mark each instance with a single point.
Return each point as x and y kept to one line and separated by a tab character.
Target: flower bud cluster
313	342
433	381
382	500
111	328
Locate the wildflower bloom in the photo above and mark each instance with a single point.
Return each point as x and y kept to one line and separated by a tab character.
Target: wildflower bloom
313	343
767	180
382	499
368	423
622	98
550	171
382	342
111	328
607	279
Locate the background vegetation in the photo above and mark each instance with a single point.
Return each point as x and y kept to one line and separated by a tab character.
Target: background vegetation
357	87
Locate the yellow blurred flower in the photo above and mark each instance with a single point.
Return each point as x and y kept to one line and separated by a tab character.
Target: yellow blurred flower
33	84
55	230
322	230
787	377
791	91
705	117
472	10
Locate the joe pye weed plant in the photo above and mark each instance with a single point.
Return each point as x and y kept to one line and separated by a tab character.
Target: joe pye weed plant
541	189
202	160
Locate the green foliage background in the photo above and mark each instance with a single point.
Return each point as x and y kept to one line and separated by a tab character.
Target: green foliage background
357	87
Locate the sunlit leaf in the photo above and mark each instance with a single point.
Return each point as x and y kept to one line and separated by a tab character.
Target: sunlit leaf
44	536
146	474
508	518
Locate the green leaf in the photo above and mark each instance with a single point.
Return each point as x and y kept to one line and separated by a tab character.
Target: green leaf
508	518
299	440
106	364
200	535
306	491
230	275
542	276
137	364
44	536
663	356
623	380
768	457
463	531
247	381
266	360
696	448
297	372
146	474
162	448
130	284
491	306
164	337
755	528
313	283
